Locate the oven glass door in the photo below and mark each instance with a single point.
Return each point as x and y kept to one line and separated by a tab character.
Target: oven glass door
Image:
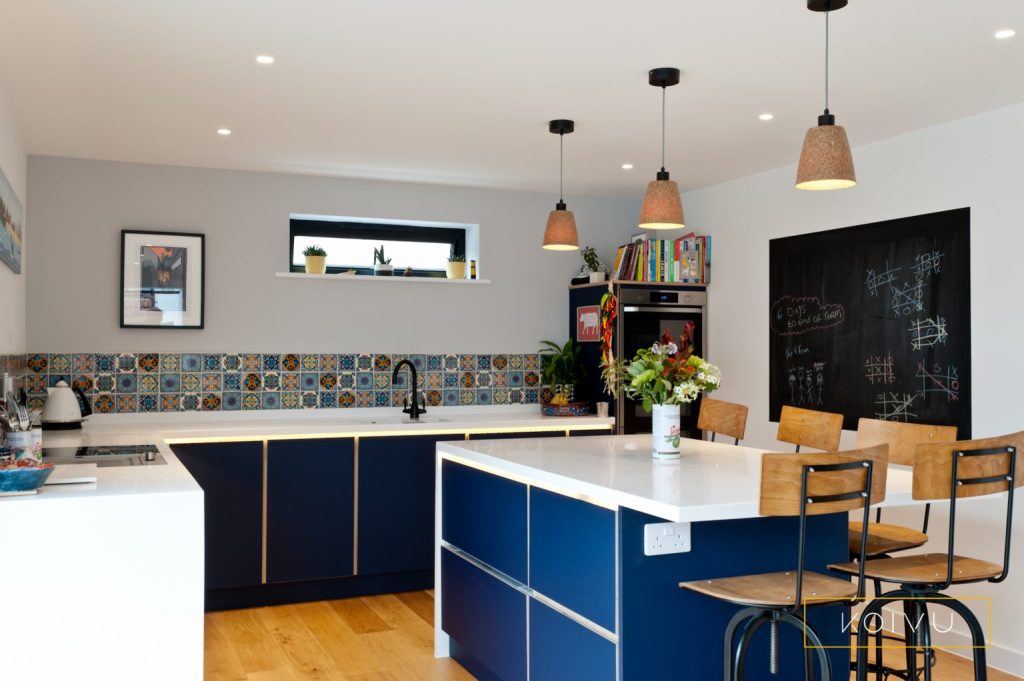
642	325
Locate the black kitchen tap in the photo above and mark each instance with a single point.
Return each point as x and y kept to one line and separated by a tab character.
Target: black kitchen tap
413	410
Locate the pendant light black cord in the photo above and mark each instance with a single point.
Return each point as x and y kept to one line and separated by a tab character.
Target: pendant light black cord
663	88
826	60
561	166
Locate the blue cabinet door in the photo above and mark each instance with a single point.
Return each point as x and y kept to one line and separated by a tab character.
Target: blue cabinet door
396	503
572	555
231	475
486	620
562	649
310	509
485	516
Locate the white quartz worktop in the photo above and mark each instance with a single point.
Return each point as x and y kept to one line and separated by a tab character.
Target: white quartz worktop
260	425
711	481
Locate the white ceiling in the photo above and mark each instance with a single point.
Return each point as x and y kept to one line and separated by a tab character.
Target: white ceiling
459	91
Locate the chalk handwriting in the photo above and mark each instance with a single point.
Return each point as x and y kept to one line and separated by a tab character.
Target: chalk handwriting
926	333
895	406
878	369
876	280
907	299
792	316
796	351
939	379
927	264
807	384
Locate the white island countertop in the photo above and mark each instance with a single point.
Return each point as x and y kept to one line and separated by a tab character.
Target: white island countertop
711	481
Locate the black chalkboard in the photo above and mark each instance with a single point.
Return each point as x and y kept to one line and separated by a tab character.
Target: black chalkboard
875	321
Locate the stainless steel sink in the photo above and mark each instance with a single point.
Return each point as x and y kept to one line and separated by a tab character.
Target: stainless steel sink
105	456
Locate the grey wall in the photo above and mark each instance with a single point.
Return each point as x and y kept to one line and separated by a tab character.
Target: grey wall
12	286
78	208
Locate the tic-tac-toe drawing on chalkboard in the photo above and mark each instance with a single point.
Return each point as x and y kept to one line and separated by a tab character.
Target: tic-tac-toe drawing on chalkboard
875	321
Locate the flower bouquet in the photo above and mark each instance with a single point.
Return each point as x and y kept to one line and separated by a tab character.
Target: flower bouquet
662	377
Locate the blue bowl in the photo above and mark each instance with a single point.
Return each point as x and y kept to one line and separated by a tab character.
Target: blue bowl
24	479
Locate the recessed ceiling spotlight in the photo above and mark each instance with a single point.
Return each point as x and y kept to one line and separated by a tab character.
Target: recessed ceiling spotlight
264	59
627	166
1005	33
224	131
766	116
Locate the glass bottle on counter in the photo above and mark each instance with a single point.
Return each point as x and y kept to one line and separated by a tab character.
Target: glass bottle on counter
472	269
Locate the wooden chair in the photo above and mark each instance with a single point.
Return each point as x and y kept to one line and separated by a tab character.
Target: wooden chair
953	471
902	439
815	429
798	485
726	418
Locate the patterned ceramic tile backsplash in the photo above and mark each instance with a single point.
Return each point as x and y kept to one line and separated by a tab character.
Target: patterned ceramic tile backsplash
154	382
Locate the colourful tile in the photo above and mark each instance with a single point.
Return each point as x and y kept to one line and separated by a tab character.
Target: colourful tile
191	382
467	379
331	363
434	380
345	362
451	398
104	383
103	403
126	404
531	378
289	381
467	362
84	383
382	398
499	362
515	379
483	396
347	380
271	362
531	362
60	364
435	362
515	362
515	396
364	380
213	382
483	362
329	400
483	379
271	380
382	363
310	363
148	383
499	379
250	401
327	381
382	381
532	396
271	400
310	399
170	402
232	362
38	363
212	402
232	381
289	362
125	383
191	362
213	362
251	362
451	380
127	361
291	400
148	362
309	381
83	362
231	401
364	398
467	397
433	398
148	403
170	362
499	396
346	399
252	382
191	402
169	383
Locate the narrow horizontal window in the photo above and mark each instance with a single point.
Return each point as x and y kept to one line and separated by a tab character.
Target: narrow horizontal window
350	244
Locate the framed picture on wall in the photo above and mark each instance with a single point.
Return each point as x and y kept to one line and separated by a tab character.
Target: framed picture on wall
162	279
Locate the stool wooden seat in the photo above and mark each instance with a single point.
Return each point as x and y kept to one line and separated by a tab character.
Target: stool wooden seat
949	471
775	589
884	538
800	485
902	438
808	428
924	568
721	417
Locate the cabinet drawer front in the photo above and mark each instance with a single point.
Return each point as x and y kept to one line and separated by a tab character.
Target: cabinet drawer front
572	555
396	503
310	509
231	475
485	516
562	649
485	617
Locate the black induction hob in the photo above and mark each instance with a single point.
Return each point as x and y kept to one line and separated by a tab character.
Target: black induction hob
105	455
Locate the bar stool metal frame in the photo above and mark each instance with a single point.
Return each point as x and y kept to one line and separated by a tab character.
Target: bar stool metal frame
916	595
750	618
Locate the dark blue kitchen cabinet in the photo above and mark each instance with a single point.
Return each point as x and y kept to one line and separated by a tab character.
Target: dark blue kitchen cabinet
396	503
310	509
563	649
486	620
231	475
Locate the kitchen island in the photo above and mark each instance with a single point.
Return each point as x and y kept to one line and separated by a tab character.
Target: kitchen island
542	565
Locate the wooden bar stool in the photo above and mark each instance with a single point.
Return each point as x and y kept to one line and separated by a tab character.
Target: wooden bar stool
815	429
726	418
798	485
884	538
953	471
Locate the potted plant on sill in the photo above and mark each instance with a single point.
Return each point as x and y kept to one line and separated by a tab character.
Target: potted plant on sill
456	267
593	263
316	259
382	267
560	368
662	377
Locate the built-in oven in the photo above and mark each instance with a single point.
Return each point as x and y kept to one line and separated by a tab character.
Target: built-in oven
643	315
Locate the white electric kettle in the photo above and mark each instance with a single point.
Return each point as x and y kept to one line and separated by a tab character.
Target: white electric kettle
63	409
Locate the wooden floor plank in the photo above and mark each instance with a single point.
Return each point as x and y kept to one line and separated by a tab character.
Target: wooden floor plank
376	638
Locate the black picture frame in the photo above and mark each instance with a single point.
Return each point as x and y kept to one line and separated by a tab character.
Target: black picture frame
193	312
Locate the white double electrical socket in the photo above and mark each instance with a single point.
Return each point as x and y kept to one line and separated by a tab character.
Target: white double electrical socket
664	538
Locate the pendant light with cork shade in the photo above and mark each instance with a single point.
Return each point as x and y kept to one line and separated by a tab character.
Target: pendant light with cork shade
662	207
825	161
560	233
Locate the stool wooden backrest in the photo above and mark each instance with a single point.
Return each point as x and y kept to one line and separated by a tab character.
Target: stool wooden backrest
933	466
816	429
726	418
902	438
971	468
815	484
782	476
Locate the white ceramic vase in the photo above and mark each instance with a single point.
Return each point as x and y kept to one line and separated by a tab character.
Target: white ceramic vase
665	432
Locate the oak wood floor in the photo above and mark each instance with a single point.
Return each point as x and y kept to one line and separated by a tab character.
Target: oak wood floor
377	638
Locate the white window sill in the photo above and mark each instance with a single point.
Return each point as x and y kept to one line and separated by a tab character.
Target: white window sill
396	279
